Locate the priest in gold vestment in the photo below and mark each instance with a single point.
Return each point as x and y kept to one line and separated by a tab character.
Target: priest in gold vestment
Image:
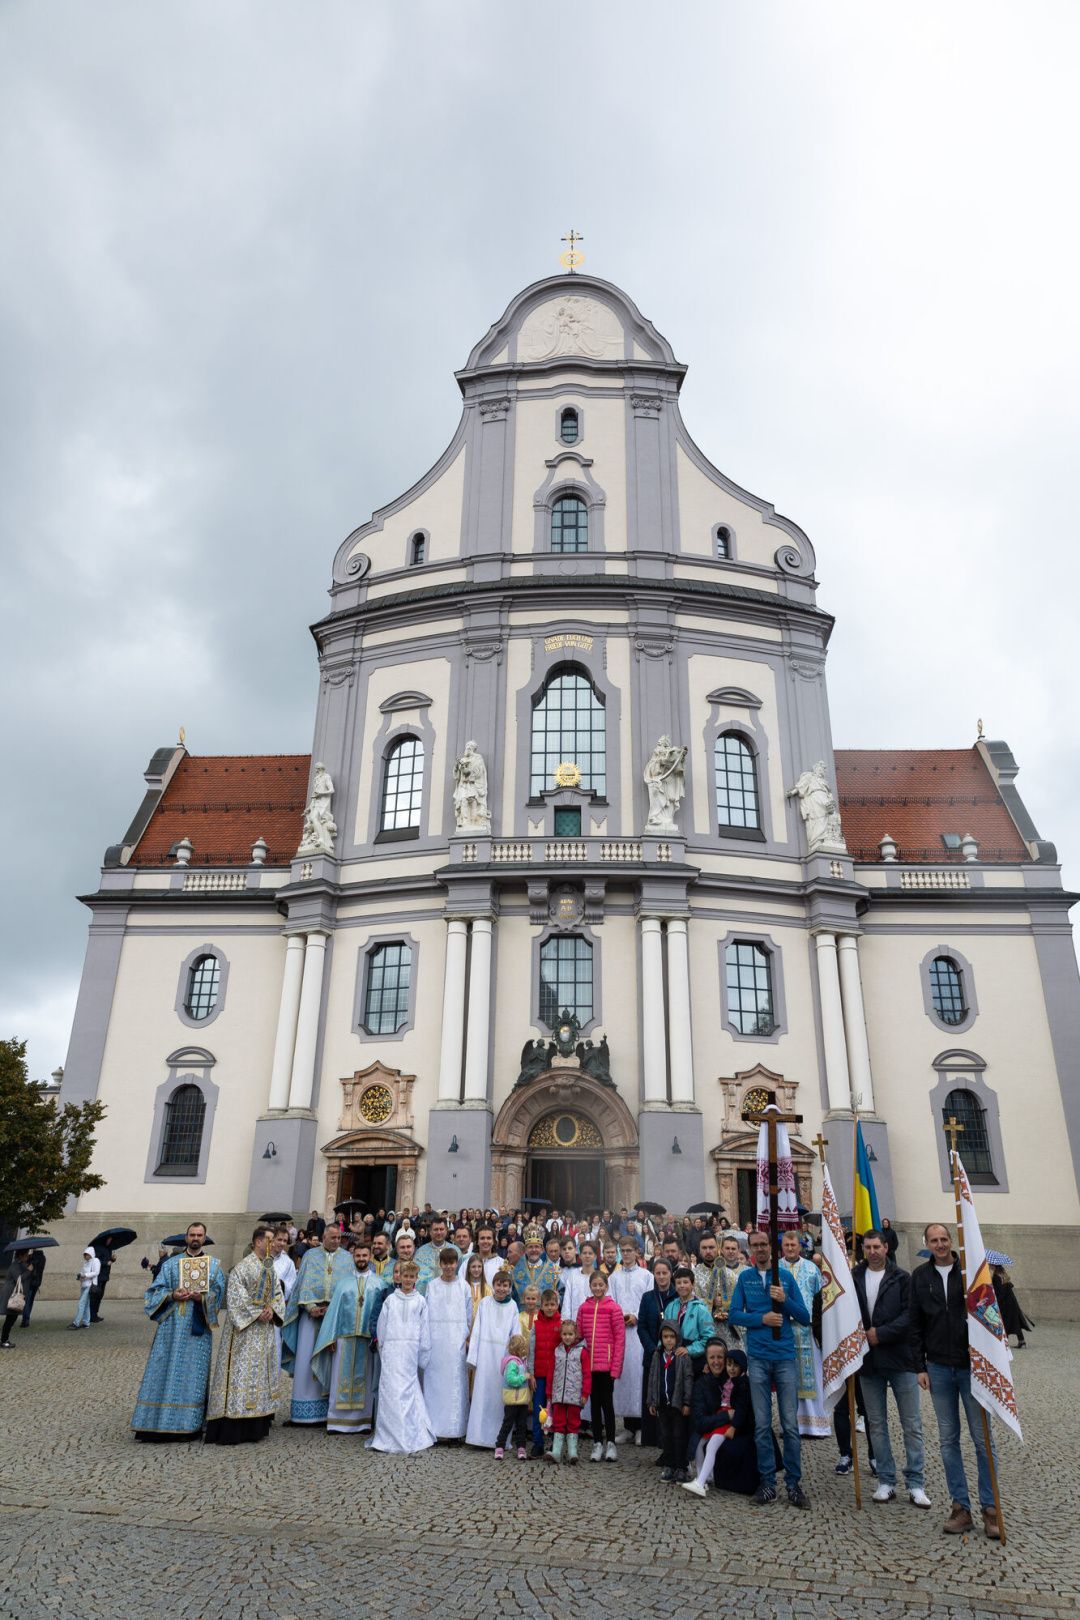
243	1389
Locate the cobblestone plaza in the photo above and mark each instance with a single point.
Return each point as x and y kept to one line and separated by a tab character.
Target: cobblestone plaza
306	1524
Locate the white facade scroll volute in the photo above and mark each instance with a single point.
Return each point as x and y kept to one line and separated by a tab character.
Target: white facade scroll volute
320	828
819	810
571	325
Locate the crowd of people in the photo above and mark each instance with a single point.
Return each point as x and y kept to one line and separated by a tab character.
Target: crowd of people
534	1337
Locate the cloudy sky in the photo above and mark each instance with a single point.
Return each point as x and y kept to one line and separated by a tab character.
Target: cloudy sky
245	246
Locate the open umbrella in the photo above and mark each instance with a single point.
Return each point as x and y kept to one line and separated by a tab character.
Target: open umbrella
276	1219
649	1207
347	1206
44	1241
119	1237
180	1242
702	1209
996	1258
538	1203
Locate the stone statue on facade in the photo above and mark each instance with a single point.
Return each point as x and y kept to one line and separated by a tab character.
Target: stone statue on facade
595	1060
536	1056
320	828
819	809
471	813
665	778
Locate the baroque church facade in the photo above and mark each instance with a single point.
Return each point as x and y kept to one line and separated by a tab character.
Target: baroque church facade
573	877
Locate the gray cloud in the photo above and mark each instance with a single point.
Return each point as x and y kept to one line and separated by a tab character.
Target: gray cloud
247	246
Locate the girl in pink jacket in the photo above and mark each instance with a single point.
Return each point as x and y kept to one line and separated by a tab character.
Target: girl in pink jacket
600	1323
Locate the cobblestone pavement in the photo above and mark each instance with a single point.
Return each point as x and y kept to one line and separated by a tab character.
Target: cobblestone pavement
94	1526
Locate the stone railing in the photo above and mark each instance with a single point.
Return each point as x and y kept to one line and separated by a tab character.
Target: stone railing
214	882
934	879
543	851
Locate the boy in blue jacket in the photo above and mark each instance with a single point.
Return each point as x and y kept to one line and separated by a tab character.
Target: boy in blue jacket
758	1306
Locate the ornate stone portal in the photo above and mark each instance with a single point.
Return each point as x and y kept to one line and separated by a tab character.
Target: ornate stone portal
376	1122
564	1110
749	1091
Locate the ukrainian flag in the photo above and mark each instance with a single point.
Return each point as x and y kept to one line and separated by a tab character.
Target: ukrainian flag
866	1204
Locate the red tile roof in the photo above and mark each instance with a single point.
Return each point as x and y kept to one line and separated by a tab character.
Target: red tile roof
223	803
917	794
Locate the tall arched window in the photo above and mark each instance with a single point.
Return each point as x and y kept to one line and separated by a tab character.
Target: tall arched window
181	1139
748	971
947	991
569	427
736	782
723	542
403	786
568	727
417	550
566	979
569	524
204	977
974	1142
386	994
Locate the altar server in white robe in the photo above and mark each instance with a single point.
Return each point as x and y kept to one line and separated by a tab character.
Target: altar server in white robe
446	1378
402	1421
627	1285
494	1325
286	1273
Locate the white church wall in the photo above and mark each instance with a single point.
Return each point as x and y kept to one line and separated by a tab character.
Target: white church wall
432	677
703	505
707	673
436	509
536	442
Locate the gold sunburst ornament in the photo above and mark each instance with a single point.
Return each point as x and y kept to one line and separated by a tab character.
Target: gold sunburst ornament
567	775
376	1105
572	260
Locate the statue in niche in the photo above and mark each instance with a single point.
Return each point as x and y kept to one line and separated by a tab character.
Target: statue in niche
471	813
536	1056
320	828
819	809
595	1061
665	778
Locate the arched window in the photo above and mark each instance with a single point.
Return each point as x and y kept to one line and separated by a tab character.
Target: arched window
569	524
417	550
204	978
723	541
386	994
973	1145
748	972
736	782
181	1139
403	786
568	727
566	979
569	426
947	991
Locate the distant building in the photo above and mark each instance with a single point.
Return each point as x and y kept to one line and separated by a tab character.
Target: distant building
570	587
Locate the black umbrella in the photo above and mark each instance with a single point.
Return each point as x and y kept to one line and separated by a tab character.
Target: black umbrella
277	1219
119	1237
180	1242
649	1207
348	1204
706	1209
18	1244
541	1203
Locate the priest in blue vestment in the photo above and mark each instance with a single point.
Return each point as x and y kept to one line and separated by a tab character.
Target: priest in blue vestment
342	1362
534	1268
183	1300
308	1304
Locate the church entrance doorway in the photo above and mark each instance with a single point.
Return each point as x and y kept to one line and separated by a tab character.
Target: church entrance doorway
376	1184
575	1183
567	1138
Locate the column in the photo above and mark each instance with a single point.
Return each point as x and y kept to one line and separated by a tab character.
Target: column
479	1020
307	1023
832	1022
680	1045
453	1011
288	1010
653	1031
858	1049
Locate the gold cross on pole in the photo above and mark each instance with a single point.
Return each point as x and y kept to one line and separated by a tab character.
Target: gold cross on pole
821	1143
572	259
952	1129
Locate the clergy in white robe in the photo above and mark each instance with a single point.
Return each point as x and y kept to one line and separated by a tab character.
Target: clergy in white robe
446	1378
494	1325
402	1421
308	1304
243	1389
286	1276
814	1421
628	1284
343	1362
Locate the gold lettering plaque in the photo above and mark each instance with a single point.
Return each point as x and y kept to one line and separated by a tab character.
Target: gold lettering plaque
574	639
567	774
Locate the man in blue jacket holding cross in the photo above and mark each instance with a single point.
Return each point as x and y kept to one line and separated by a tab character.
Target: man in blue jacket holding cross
759	1305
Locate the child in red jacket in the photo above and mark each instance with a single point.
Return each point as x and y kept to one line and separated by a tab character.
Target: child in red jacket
542	1343
600	1323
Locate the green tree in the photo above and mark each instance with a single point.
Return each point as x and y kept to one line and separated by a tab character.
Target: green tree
45	1150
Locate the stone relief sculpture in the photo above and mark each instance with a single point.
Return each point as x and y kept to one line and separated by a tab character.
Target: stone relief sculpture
819	809
570	327
471	813
595	1060
320	828
665	778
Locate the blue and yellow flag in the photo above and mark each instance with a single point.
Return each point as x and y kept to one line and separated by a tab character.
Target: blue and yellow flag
866	1205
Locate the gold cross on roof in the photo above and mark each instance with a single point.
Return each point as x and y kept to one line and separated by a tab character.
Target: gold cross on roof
572	259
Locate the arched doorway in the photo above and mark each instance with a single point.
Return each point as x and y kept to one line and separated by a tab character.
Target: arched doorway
565	1138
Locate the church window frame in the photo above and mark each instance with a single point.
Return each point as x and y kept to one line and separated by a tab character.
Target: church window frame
186	986
366	958
188	1066
402	792
567	418
735	712
569	475
735	784
554	712
932	998
723	542
958	1070
417	550
542	950
732	994
569	532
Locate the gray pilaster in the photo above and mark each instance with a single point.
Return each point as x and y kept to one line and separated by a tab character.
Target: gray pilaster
837	1128
86	1048
675	1180
462	1176
1061	993
283	1181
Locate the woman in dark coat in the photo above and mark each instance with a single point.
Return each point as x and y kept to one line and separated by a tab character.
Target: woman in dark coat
18	1271
1012	1312
735	1466
650	1312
